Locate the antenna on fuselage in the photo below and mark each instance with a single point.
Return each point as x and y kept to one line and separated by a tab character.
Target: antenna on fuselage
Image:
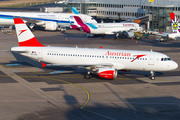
151	50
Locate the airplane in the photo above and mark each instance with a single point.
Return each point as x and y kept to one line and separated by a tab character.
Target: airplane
127	29
104	62
49	21
175	28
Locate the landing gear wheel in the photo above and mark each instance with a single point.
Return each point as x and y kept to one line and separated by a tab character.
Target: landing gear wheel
87	76
152	78
152	75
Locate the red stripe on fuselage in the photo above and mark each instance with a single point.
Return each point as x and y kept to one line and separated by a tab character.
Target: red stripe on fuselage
33	42
137	56
18	21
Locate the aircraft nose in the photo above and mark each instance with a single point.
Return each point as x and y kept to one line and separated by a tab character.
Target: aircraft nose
141	28
173	65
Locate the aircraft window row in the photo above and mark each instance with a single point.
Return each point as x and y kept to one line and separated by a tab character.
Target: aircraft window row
165	59
75	55
131	58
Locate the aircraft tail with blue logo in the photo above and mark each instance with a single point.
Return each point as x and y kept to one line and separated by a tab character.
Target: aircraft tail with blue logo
174	23
81	24
74	10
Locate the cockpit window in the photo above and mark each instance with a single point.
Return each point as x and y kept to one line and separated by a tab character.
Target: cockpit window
165	59
92	18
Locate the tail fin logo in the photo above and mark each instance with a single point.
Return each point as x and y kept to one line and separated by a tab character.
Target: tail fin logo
21	31
175	25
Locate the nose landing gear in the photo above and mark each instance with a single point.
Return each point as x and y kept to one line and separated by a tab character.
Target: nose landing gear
88	75
152	75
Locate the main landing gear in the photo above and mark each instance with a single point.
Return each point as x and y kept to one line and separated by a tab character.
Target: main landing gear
152	75
116	36
88	75
102	36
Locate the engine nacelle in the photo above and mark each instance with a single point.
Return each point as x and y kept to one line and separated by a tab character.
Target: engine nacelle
50	26
107	73
129	34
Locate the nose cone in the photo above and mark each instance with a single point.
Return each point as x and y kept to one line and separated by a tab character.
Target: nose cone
173	65
141	28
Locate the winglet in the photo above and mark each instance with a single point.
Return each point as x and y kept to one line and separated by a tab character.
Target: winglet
24	35
43	65
74	10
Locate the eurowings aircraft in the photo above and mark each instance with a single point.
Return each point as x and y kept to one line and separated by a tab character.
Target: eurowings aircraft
104	62
127	29
175	28
49	21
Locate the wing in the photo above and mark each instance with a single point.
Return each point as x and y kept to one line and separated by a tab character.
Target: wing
118	31
80	65
177	38
118	66
111	32
30	20
162	34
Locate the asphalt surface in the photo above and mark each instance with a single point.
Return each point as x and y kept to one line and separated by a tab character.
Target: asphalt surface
29	92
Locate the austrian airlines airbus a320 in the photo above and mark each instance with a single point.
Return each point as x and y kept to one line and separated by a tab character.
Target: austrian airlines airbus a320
104	62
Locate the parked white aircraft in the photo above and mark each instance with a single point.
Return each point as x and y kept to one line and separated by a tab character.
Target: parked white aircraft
175	28
50	21
127	29
104	62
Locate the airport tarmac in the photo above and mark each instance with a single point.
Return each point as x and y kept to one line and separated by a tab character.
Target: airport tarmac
29	92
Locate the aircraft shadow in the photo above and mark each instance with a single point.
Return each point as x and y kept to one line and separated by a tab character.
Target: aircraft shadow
149	108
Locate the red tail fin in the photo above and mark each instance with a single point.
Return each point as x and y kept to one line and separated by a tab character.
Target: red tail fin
24	35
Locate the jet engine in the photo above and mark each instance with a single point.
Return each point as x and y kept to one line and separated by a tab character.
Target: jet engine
129	34
107	73
51	26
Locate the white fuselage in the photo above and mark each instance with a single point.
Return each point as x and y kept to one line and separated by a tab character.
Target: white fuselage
173	35
121	59
112	28
6	18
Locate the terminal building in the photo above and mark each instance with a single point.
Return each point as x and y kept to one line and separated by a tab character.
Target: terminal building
153	13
